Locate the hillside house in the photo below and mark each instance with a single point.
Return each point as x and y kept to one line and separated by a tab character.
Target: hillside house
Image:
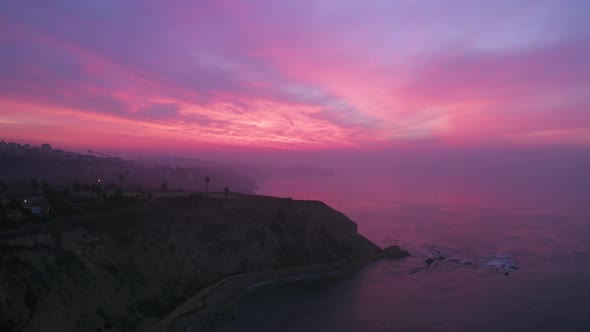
37	204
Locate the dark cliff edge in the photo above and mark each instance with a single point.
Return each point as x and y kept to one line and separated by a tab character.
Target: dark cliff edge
150	268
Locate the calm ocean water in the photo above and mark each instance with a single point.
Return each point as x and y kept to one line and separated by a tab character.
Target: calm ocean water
505	258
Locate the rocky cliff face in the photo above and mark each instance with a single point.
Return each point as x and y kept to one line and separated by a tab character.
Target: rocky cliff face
113	271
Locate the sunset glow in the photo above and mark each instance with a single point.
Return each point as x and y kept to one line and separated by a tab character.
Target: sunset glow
294	74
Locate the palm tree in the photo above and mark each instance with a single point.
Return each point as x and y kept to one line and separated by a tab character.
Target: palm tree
207	179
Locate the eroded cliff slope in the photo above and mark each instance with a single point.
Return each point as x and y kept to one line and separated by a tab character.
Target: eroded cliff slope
115	270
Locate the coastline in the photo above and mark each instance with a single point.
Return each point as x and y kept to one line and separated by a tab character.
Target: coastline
216	302
173	263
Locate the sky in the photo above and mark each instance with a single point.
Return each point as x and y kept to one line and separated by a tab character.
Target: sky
300	75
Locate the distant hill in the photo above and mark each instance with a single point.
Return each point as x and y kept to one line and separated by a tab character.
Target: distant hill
21	163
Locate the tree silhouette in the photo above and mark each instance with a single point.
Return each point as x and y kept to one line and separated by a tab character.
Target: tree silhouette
45	187
164	187
122	179
96	189
34	184
226	192
207	179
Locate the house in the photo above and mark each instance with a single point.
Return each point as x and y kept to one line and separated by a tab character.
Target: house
37	204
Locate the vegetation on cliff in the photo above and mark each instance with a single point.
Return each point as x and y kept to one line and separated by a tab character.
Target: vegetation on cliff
116	269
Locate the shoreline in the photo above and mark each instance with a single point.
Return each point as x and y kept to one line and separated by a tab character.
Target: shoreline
217	301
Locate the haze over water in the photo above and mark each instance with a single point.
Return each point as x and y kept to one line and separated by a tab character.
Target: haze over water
389	200
529	246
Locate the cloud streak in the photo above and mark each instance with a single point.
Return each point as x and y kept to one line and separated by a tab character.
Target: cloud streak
295	74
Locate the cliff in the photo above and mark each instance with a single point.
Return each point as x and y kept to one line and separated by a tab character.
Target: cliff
119	270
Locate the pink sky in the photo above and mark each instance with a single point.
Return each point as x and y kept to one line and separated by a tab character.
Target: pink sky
307	75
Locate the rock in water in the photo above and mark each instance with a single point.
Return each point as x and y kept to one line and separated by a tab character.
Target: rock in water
395	252
429	261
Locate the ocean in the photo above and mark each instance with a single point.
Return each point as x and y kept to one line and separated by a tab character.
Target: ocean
485	257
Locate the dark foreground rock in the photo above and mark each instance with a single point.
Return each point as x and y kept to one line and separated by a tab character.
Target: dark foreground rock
125	271
394	252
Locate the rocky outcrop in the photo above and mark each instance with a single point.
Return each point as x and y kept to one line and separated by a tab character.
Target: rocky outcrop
393	252
119	271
